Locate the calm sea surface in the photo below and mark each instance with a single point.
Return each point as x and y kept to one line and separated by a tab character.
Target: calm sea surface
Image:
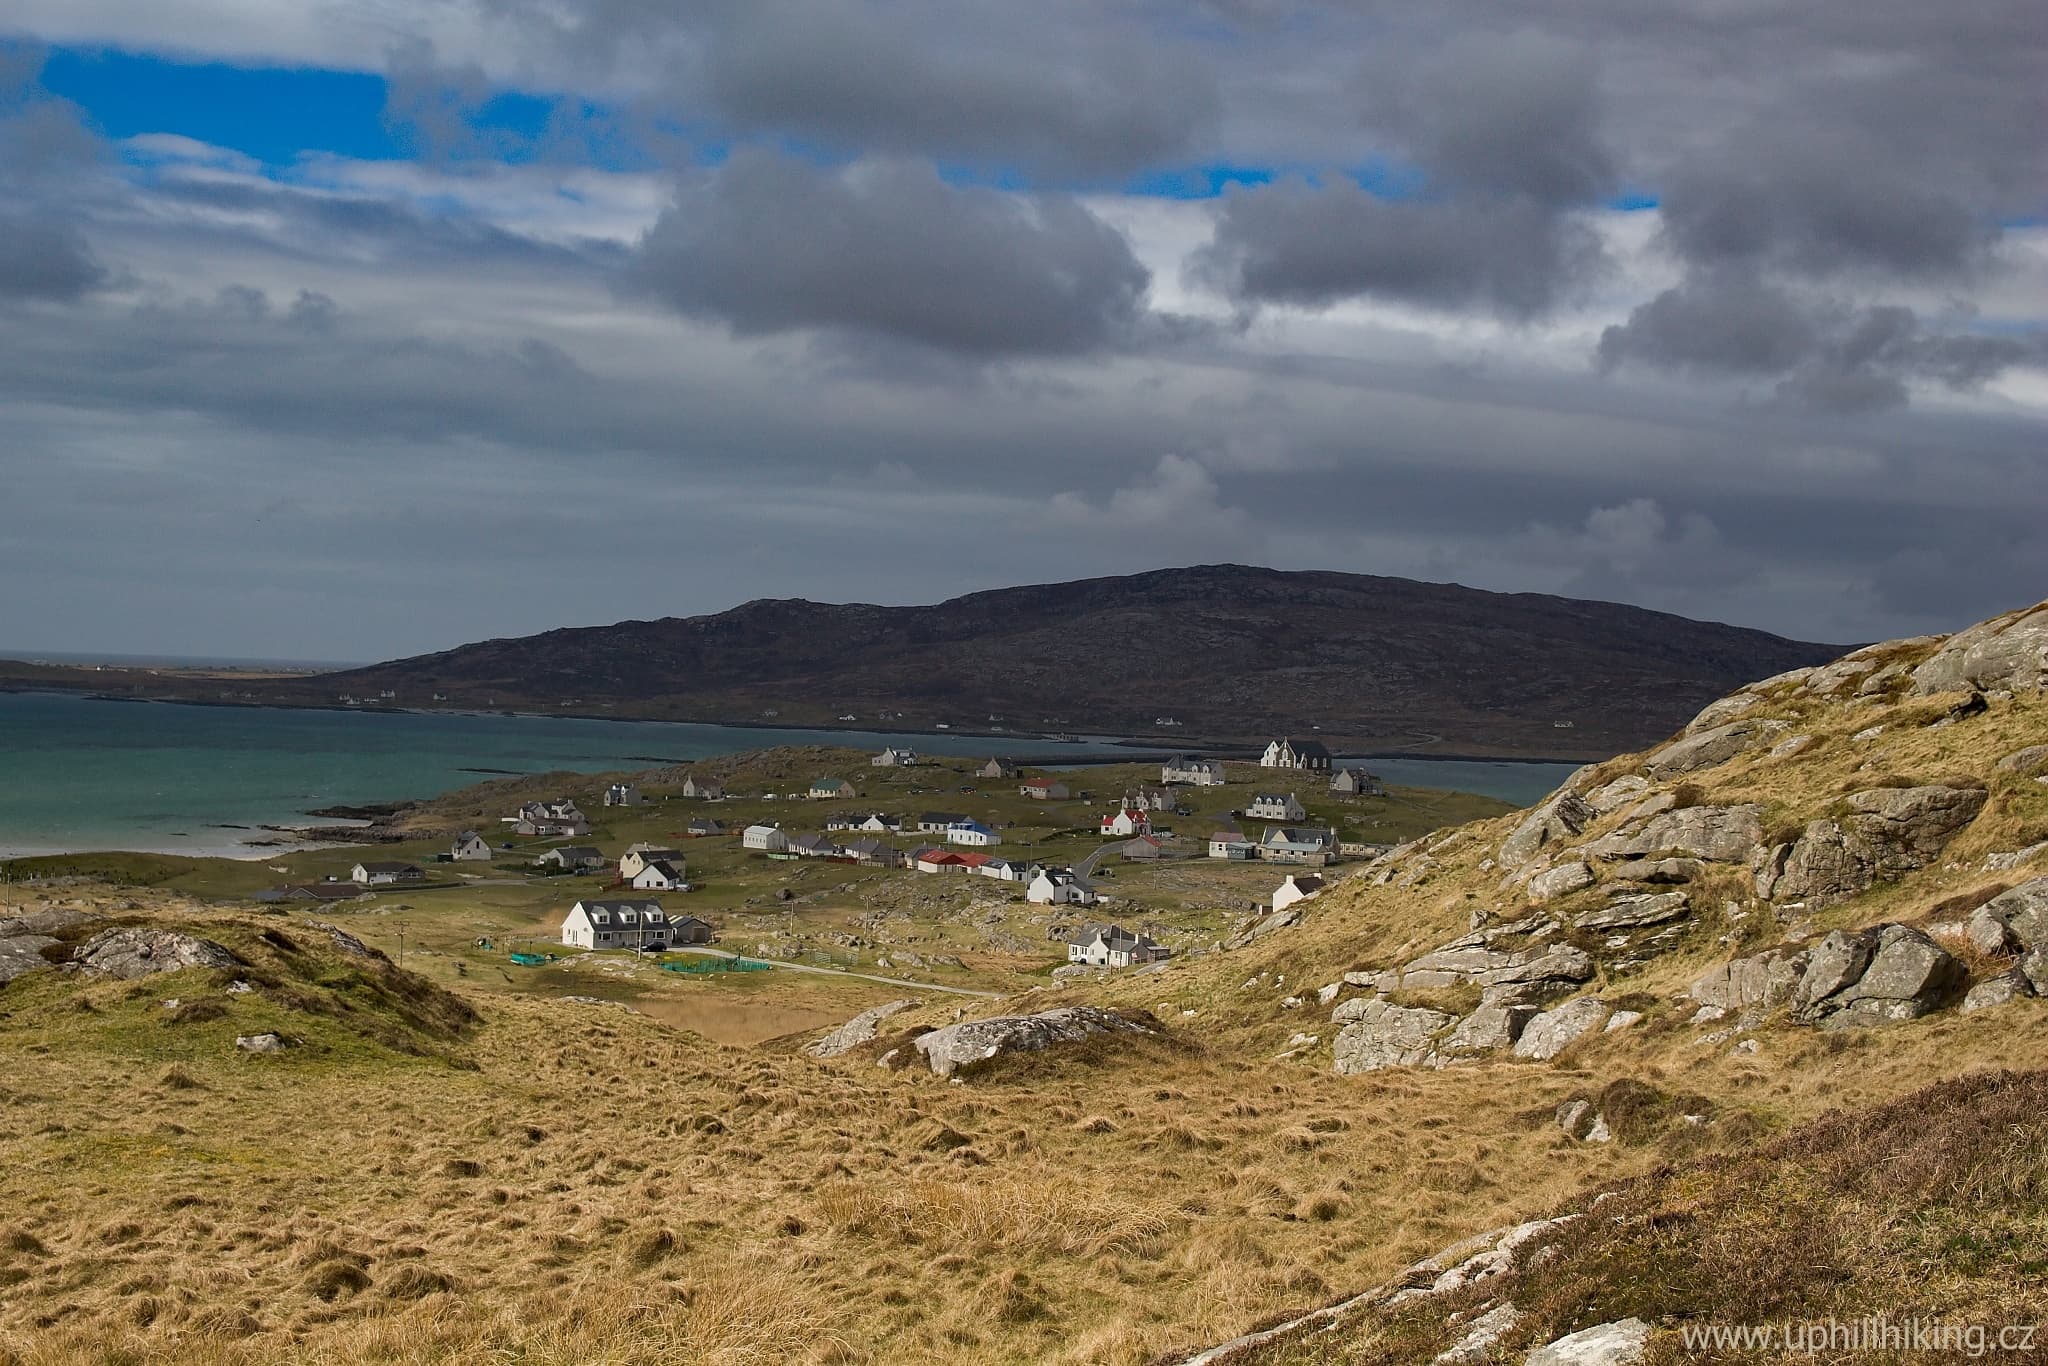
79	774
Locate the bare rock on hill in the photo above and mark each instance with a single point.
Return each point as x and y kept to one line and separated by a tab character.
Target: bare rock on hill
1889	972
1890	832
260	1043
964	1045
136	952
1721	711
859	1030
1494	1025
1716	834
1997	991
2032	759
1552	823
1383	1035
2008	652
1622	1343
2012	921
1560	881
1707	748
1619	793
1553	1031
1657	870
1762	980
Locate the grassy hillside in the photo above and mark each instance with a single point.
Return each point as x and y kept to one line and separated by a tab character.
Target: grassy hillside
563	1181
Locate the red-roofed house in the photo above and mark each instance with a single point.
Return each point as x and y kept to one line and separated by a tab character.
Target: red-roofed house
1126	823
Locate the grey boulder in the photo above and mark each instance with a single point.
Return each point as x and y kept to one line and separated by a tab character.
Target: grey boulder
1383	1035
964	1045
2032	759
2008	652
1636	912
1888	832
1553	1031
2012	921
1997	991
1494	1025
1622	1343
861	1029
1890	972
1716	834
136	952
1554	822
1761	980
1560	881
1707	748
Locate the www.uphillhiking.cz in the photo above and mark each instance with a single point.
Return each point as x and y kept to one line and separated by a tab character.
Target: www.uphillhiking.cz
1874	1334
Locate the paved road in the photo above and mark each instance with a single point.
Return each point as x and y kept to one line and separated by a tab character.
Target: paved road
841	972
1086	866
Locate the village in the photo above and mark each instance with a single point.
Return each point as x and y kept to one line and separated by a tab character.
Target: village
958	871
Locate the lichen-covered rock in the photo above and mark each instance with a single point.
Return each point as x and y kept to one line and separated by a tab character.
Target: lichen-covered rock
1997	991
1493	1026
1890	972
1889	832
1721	711
1761	980
1617	794
964	1045
1637	912
136	952
1482	1336
2012	921
1716	834
1560	881
1558	963
1553	1031
1622	1343
1660	870
1706	748
2009	652
2032	759
861	1029
260	1043
1384	1035
1552	823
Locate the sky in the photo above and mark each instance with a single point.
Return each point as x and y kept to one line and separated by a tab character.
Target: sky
355	328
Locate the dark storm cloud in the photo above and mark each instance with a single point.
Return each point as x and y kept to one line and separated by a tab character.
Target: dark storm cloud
40	259
1505	131
773	244
44	253
1823	354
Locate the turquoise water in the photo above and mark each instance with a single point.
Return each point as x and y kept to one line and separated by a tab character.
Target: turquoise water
79	774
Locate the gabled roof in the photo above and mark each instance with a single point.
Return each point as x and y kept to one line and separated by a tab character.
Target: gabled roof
617	904
388	867
940	818
666	869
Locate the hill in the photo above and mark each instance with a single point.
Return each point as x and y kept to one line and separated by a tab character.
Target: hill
1230	652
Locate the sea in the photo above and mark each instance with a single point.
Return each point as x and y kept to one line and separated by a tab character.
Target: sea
79	773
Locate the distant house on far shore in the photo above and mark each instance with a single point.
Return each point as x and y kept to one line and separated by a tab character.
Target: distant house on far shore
624	794
826	789
703	791
385	874
470	847
894	758
1192	772
1310	755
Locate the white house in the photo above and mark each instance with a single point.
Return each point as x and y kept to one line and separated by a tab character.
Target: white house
618	925
1125	822
1192	772
470	847
973	834
937	822
642	854
871	850
1045	790
550	820
624	794
1230	844
384	874
831	788
1112	946
1005	870
1302	754
1298	844
814	846
882	823
894	758
1150	798
1297	887
766	838
1272	806
700	791
1058	887
660	876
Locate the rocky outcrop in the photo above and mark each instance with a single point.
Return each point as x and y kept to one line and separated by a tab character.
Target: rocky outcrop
1721	711
2008	652
136	952
2033	759
28	941
1560	881
1714	834
1657	870
1617	794
1494	1025
1997	991
1582	1120
1553	1031
1760	981
1866	977
1889	832
1637	912
861	1029
965	1045
2012	921
1551	824
1707	748
260	1043
1472	960
1621	1343
1380	1034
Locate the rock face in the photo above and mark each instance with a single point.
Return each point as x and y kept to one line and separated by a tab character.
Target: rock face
1636	912
24	938
1715	834
1706	748
1890	832
1622	1343
949	1049
136	952
2008	652
1553	1031
1554	822
259	1043
1494	1025
1560	881
856	1031
1383	1035
1890	972
2032	759
1997	991
2012	921
1762	980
